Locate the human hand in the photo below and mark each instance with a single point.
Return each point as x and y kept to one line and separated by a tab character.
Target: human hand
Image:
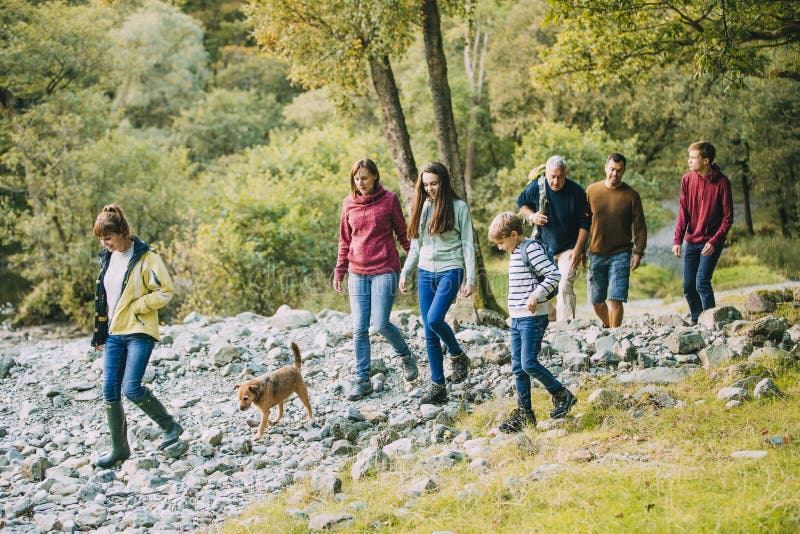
466	290
401	284
578	258
708	249
337	286
676	249
532	303
539	219
635	261
99	348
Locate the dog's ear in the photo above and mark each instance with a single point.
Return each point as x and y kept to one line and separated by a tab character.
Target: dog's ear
253	389
236	388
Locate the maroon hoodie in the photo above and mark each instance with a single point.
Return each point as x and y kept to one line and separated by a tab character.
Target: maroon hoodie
706	209
366	234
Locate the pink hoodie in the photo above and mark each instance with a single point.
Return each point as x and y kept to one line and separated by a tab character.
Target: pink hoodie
366	234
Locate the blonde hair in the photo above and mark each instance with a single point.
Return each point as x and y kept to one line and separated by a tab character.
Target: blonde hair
111	220
503	224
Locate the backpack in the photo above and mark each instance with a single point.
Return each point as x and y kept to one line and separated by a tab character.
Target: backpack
526	261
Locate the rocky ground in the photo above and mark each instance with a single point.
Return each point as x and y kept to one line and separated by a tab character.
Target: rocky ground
52	420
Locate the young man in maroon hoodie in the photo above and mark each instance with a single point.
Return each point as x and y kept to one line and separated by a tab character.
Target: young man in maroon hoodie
704	218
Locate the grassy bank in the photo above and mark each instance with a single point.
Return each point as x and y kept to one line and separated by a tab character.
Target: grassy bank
639	469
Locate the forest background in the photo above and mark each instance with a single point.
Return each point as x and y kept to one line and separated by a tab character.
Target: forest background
227	129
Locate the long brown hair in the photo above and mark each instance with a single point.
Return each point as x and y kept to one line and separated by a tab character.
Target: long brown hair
444	217
111	220
371	167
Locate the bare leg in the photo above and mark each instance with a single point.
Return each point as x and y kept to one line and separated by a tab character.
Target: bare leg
602	312
616	312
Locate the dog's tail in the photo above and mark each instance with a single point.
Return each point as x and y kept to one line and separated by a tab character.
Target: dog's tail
297	358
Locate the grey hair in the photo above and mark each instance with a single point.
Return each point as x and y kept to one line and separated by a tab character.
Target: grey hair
556	162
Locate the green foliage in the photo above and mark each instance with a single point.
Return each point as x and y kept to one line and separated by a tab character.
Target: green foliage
653	281
247	70
226	121
72	162
268	228
608	40
45	47
160	65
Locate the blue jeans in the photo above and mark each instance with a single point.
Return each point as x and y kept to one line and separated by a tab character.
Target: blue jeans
125	358
526	342
608	277
697	272
371	298
437	291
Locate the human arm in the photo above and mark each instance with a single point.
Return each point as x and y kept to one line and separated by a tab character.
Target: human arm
410	264
158	282
399	224
528	204
676	250
464	223
683	216
639	232
726	205
579	252
345	235
545	268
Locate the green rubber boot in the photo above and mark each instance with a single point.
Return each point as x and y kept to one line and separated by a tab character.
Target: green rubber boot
119	436
156	411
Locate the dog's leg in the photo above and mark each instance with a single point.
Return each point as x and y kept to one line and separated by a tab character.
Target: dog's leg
302	394
263	424
280	412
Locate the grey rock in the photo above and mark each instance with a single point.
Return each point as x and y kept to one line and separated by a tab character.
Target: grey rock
765	389
576	361
212	436
732	393
286	318
685	341
325	483
400	447
766	328
223	355
91	517
422	485
443	434
562	342
605	398
33	468
6	363
772	356
654	396
716	318
497	353
368	461
655	375
716	356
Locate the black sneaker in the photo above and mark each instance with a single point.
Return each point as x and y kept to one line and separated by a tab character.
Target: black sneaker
359	389
460	364
562	402
435	394
517	421
410	371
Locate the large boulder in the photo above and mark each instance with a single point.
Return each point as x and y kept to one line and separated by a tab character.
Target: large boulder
716	318
655	375
287	318
685	341
767	328
716	356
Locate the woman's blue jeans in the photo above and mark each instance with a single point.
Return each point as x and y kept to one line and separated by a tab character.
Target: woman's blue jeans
526	342
125	358
697	272
437	291
371	298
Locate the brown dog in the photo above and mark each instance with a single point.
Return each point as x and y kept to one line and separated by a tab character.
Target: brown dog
268	390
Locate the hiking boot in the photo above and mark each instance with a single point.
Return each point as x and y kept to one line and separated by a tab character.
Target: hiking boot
153	408
435	394
120	451
359	389
517	421
562	402
460	364
410	371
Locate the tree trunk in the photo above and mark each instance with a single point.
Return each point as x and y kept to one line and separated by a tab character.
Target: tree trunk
744	166
447	138
394	126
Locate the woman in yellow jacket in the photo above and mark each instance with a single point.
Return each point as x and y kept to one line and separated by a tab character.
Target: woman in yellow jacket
132	286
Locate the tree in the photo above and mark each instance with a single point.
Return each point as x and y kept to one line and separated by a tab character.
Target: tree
337	44
609	40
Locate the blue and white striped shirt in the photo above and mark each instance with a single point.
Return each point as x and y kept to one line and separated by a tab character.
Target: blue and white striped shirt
522	281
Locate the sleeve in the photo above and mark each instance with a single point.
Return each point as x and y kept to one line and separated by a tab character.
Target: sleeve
412	259
399	224
727	215
157	280
546	268
639	226
344	245
467	244
529	196
683	213
583	213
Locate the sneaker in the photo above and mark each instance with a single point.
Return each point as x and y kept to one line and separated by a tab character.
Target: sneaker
562	402
435	394
359	389
460	364
517	421
410	371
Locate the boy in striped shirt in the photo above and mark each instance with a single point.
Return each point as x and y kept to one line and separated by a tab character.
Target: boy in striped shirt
528	287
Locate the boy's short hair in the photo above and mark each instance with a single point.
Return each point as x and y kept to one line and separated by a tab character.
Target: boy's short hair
503	225
706	149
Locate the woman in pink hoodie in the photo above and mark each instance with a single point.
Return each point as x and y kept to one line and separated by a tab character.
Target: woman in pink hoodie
371	219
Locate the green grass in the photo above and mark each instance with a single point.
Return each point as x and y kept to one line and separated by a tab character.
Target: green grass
689	482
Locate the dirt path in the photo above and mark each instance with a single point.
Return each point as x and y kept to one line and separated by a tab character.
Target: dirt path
655	307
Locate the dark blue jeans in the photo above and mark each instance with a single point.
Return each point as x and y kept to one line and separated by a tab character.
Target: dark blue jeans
697	272
124	361
371	298
526	342
436	293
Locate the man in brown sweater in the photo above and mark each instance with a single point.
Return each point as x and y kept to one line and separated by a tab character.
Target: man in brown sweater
617	226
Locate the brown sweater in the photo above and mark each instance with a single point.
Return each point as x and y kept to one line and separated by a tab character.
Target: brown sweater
614	212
